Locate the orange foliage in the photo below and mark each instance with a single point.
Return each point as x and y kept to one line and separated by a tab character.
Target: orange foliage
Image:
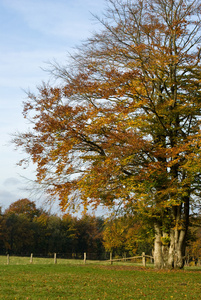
123	128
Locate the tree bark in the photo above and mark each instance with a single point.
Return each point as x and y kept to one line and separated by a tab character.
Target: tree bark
170	262
179	255
158	258
169	249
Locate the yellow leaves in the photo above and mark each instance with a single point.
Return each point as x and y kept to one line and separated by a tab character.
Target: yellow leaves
119	234
42	219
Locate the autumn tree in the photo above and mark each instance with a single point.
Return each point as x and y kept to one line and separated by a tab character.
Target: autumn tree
23	207
127	235
119	237
122	126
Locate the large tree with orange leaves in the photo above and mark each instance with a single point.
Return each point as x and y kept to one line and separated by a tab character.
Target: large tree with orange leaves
122	127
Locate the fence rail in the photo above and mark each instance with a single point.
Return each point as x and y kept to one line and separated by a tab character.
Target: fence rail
143	257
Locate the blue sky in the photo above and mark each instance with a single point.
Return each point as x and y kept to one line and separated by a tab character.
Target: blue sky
32	33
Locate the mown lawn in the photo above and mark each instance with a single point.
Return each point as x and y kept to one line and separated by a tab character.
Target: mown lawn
68	281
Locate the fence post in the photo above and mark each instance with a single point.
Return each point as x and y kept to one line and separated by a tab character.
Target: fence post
8	259
55	258
111	258
85	257
143	259
31	258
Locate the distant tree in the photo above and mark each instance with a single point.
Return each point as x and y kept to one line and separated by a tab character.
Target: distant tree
40	234
69	233
18	229
54	234
89	234
23	207
17	234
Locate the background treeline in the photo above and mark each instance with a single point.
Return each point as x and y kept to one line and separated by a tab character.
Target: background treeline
26	229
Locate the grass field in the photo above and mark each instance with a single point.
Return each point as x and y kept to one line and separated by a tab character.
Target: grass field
44	280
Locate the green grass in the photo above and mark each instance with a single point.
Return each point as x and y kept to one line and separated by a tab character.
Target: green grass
95	281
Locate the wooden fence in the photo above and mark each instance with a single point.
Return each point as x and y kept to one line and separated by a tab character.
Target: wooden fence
142	257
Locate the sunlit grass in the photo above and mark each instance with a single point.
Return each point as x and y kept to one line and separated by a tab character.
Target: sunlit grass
72	279
68	281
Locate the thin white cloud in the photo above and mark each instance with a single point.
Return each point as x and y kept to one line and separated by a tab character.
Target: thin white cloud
12	181
23	69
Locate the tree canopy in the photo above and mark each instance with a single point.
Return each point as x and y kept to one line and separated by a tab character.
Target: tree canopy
122	126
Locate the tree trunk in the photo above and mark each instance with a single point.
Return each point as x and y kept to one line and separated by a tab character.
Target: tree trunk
158	258
179	253
169	249
170	262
